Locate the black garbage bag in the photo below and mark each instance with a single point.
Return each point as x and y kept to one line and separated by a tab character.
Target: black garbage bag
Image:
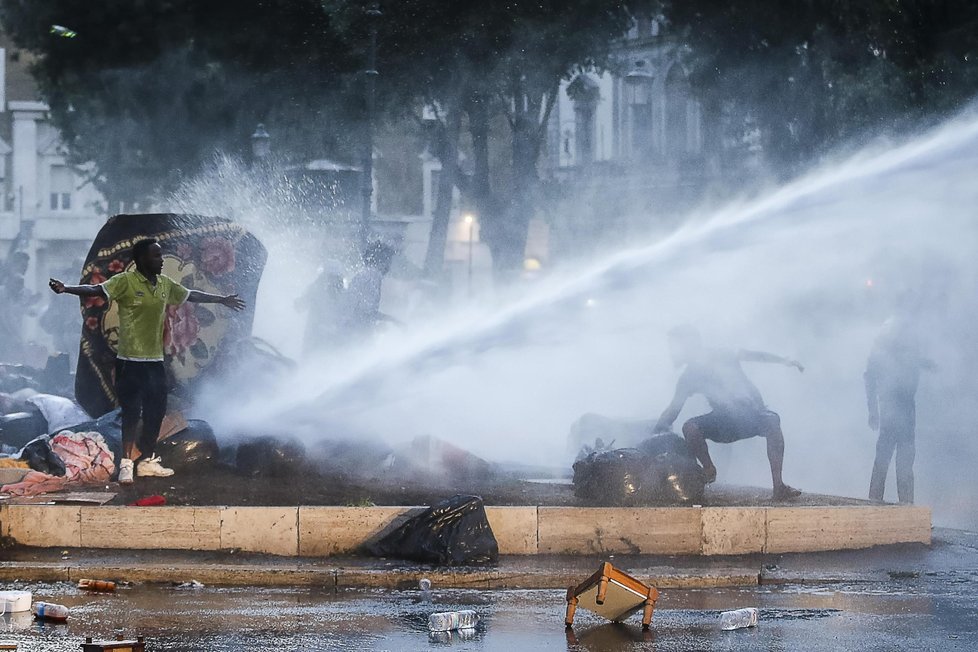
194	447
450	533
40	457
18	428
270	456
676	479
619	477
669	442
629	477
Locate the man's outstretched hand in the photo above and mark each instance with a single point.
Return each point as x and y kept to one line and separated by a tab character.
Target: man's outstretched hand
797	365
232	301
56	286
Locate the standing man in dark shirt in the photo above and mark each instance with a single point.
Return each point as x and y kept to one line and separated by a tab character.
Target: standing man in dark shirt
738	409
892	375
142	294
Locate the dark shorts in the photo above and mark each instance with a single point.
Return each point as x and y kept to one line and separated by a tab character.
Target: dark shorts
726	428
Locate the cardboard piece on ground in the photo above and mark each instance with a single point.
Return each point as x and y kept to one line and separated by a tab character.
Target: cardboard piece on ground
612	594
79	497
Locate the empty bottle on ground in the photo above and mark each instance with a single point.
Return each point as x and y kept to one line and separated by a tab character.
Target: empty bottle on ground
446	621
50	611
738	619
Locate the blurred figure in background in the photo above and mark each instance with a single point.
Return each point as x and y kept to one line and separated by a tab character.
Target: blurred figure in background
18	302
362	305
892	376
324	301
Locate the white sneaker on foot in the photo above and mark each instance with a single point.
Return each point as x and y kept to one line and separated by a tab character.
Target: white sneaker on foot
151	467
125	471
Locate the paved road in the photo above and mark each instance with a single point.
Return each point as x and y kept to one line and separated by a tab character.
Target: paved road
887	599
938	612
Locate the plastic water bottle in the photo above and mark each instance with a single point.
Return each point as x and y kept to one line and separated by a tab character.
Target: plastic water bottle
425	586
50	611
738	619
446	621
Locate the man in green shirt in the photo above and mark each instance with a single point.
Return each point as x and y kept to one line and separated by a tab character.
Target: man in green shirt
142	295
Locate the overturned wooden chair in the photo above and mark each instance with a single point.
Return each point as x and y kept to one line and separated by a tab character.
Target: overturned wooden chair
612	594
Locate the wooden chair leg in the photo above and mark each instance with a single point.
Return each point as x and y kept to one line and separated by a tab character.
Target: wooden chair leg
602	590
571	608
649	607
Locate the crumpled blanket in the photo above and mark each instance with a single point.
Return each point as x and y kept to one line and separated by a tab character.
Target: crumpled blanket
87	460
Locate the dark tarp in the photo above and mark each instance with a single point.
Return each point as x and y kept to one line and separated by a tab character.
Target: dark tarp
450	533
210	254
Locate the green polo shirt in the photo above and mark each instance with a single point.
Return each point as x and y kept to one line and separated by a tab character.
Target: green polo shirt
142	309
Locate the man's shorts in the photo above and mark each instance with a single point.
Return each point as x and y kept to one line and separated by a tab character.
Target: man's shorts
726	428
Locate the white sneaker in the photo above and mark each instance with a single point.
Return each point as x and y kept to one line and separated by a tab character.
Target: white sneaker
125	471
151	467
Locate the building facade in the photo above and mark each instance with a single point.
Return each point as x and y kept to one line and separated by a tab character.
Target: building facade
629	149
49	209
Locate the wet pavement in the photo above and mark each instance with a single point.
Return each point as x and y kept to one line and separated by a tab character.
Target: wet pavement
929	613
903	597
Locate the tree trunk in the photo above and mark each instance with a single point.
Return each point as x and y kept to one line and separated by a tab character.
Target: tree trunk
531	113
447	152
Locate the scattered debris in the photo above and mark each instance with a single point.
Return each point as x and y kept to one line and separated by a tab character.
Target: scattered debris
738	619
149	501
103	586
50	611
447	621
192	584
14	601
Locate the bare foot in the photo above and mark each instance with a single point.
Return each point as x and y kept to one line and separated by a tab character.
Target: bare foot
710	475
784	492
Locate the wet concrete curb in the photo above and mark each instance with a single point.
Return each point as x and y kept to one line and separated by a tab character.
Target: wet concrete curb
533	530
338	578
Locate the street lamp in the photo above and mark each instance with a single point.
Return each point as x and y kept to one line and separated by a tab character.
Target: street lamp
470	220
260	144
370	84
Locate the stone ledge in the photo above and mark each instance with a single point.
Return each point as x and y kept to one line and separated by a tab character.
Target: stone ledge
330	531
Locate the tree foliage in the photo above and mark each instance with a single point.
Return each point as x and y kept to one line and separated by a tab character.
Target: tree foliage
489	59
814	73
149	90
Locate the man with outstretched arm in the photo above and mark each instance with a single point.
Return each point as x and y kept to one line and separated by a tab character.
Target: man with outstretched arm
142	295
738	411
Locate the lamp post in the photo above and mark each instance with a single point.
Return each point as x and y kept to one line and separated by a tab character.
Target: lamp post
370	85
470	220
260	145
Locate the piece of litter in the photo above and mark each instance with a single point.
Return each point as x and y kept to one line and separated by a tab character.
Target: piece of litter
192	584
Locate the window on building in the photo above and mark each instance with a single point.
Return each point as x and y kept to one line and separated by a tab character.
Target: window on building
677	122
585	95
640	116
62	184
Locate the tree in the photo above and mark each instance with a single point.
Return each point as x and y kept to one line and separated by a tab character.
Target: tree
815	73
149	91
535	45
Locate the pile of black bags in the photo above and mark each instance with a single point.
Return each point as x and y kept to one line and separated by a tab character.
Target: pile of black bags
659	471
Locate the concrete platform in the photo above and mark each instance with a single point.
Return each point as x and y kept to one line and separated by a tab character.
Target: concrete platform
329	531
